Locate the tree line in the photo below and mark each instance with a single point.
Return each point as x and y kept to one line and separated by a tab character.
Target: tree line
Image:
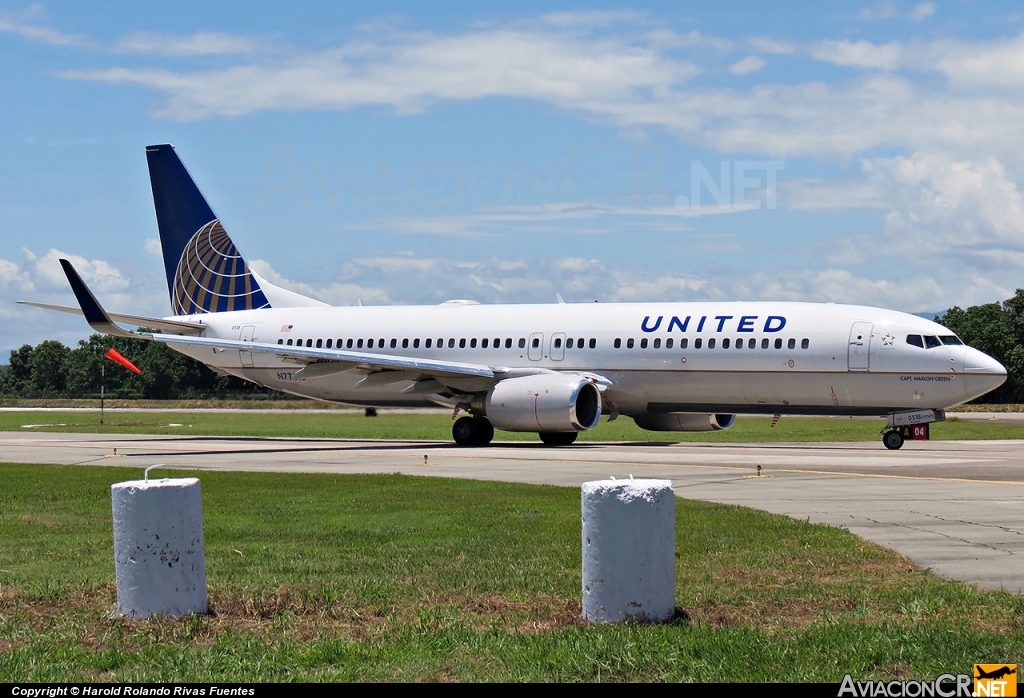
52	370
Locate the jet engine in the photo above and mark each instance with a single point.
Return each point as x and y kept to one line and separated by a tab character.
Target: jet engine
546	402
680	421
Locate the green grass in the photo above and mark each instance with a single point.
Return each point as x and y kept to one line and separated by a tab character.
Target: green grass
434	426
333	577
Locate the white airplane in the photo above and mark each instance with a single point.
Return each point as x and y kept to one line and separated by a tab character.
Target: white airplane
551	369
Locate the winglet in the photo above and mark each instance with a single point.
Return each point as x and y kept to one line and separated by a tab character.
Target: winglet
94	313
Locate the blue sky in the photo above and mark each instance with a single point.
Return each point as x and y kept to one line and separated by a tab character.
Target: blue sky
864	153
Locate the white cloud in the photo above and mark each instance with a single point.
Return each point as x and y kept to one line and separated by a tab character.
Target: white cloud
745	66
198	44
20	23
858	54
764	44
152	247
923	11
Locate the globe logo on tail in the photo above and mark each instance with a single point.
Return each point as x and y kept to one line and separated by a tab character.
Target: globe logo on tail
213	277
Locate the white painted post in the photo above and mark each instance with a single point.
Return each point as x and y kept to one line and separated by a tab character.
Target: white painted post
629	547
159	560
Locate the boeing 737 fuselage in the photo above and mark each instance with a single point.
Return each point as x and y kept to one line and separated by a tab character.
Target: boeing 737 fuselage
551	369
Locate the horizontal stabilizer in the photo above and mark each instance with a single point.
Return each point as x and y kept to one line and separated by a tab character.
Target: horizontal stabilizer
176	326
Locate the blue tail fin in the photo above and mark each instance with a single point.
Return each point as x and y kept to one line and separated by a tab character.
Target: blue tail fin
205	271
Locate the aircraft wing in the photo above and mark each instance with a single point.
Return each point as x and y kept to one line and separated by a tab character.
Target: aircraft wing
341	360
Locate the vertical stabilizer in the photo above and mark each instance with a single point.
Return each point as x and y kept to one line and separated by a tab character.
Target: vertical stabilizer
205	271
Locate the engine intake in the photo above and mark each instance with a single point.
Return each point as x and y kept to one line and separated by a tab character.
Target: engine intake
680	421
544	402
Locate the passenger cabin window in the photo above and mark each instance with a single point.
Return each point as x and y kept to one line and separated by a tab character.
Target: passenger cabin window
668	343
764	343
618	343
508	342
725	343
309	342
593	343
359	344
472	343
778	342
697	343
629	343
348	344
394	343
329	343
682	343
289	342
739	343
416	343
792	343
280	341
657	343
804	343
484	343
558	342
711	343
643	343
536	342
451	343
319	344
405	343
428	342
522	342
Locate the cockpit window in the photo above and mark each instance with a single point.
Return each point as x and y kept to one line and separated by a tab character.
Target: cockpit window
930	342
950	340
915	340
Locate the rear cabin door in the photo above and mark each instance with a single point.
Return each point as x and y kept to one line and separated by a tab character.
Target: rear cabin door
246	336
858	355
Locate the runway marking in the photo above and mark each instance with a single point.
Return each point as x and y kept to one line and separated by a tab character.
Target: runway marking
903	477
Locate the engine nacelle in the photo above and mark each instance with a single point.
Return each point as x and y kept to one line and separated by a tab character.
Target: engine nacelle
681	421
544	402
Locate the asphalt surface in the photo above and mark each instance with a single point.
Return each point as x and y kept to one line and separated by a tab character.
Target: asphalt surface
956	507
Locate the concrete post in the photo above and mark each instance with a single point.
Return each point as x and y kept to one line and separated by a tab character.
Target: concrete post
159	560
629	546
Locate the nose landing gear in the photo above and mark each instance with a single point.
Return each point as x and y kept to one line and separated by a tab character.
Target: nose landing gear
893	439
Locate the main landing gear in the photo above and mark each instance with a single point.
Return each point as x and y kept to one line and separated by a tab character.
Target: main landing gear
558	438
472	431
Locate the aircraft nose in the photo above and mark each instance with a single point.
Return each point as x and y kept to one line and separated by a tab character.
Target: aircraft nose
982	373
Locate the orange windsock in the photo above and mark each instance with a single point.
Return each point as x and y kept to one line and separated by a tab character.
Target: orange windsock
116	357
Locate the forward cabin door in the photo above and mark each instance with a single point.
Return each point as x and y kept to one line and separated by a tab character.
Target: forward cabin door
246	336
858	355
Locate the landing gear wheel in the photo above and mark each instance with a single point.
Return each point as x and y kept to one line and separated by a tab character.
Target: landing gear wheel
893	440
472	431
558	438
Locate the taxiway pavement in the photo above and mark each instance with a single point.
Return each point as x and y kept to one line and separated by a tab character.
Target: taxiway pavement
956	507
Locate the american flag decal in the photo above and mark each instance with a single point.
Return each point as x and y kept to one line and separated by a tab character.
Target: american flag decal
287	328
